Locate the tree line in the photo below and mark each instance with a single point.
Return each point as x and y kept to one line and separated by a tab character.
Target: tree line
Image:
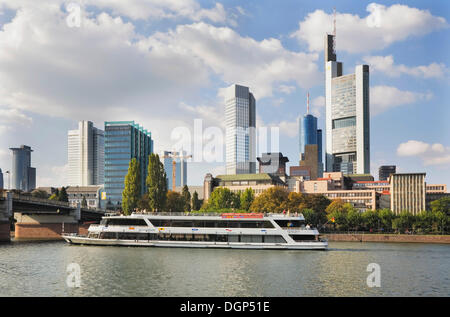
328	215
157	197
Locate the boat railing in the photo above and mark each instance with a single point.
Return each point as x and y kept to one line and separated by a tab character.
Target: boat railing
213	214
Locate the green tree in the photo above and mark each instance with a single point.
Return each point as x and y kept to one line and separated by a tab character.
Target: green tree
196	204
175	202
295	202
386	215
53	197
371	219
221	198
62	196
442	221
354	219
187	198
337	205
316	202
84	202
247	198
442	205
132	190
156	183
143	203
403	222
272	199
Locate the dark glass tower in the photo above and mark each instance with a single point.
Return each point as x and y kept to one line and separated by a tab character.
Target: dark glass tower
124	140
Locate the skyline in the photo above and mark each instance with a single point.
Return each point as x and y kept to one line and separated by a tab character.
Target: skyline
409	78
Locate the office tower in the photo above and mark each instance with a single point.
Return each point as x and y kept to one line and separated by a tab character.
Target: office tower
310	135
85	151
175	166
23	175
408	192
124	140
240	121
1	179
347	116
273	163
385	171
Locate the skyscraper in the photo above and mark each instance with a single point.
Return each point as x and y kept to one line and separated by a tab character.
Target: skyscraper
385	171
1	179
240	121
175	162
85	153
23	175
347	116
309	135
124	140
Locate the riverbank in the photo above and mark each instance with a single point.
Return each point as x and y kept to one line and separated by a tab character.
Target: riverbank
375	237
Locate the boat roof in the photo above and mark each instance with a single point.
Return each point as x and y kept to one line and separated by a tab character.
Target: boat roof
212	216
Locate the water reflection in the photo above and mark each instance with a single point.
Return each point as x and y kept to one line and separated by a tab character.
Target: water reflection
39	269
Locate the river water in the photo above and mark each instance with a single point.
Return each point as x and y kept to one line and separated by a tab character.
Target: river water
407	269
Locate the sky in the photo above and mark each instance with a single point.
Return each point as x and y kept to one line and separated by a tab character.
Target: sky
166	63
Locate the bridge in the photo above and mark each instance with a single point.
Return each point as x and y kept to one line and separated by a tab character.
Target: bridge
37	218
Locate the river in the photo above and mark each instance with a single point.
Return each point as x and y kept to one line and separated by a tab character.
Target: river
406	269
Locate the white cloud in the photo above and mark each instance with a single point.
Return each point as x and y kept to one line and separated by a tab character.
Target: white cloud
318	106
51	176
383	98
287	89
431	154
380	28
385	64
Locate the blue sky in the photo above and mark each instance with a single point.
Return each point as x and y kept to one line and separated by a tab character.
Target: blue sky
163	64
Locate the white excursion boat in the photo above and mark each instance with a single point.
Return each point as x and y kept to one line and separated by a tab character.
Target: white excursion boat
231	230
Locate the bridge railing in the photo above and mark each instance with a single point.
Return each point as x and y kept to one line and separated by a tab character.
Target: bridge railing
38	200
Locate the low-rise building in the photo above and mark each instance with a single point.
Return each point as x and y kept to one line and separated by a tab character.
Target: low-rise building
240	182
408	192
94	195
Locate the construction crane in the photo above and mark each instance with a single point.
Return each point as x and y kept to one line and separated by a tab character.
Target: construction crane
174	156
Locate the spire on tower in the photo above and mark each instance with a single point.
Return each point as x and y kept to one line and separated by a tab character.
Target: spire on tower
307	102
334	30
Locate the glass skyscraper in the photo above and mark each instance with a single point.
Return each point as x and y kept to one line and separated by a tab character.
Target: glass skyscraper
240	121
309	134
180	165
124	140
347	116
23	175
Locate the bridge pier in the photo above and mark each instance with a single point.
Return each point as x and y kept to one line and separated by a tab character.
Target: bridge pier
44	226
5	213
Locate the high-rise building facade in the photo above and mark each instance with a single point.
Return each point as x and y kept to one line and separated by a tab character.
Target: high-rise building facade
175	166
310	135
240	120
408	192
347	116
124	140
1	179
385	171
85	151
23	175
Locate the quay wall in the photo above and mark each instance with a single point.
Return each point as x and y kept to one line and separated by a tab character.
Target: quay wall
4	231
357	237
43	231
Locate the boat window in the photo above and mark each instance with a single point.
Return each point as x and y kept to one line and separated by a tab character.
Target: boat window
290	223
274	239
126	222
303	237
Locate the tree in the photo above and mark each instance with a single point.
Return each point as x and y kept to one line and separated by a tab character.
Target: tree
386	216
337	205
354	219
371	219
175	202
247	198
132	190
84	202
221	198
196	204
403	222
53	197
187	198
156	183
39	193
316	202
143	203
270	200
442	205
295	202
62	196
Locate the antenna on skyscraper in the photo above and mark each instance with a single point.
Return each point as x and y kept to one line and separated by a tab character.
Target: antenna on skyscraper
307	102
334	30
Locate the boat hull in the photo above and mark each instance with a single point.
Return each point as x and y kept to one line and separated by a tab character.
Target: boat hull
317	245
